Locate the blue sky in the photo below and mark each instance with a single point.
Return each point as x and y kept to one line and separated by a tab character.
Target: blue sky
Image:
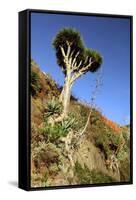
109	36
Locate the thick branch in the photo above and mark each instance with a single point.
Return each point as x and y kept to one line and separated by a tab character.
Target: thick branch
72	53
74	60
86	59
71	64
70	61
62	51
69	48
81	71
76	67
67	56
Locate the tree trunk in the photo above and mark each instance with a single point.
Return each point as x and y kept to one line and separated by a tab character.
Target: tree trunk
66	98
61	95
65	95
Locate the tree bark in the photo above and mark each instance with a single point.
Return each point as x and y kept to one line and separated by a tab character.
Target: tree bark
61	95
66	96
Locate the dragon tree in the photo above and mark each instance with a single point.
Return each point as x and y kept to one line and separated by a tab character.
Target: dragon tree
75	60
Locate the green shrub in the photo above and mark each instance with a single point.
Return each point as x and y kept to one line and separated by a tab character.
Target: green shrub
126	136
95	118
83	111
78	120
50	80
83	174
100	177
124	151
39	180
53	133
106	139
108	142
122	154
35	83
125	169
45	153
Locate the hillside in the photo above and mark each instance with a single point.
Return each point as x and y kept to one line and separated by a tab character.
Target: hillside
60	154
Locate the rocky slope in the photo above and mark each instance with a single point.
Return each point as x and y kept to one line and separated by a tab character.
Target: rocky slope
102	156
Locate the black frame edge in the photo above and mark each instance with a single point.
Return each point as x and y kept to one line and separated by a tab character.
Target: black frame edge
24	99
131	98
24	161
77	13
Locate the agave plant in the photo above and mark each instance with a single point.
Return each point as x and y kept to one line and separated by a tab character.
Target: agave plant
53	107
68	123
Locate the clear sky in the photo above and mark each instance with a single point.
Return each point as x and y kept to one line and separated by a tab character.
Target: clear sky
109	36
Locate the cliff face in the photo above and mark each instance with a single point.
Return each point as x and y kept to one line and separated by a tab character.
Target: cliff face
101	157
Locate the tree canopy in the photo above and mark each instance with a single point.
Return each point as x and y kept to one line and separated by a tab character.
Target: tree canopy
70	40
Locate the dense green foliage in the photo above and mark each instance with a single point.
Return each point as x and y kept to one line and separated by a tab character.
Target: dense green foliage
75	40
125	169
106	138
83	174
77	45
53	132
108	143
96	58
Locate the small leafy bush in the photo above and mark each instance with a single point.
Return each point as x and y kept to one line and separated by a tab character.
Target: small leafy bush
53	133
50	80
35	83
39	180
100	177
122	155
108	142
126	136
78	121
45	153
125	169
83	174
95	117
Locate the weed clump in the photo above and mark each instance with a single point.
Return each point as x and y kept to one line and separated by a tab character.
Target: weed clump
85	176
35	83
